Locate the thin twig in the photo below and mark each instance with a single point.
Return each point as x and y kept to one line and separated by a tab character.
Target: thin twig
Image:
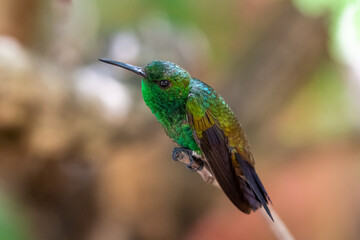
278	227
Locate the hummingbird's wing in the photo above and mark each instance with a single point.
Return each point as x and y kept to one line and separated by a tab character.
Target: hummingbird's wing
235	175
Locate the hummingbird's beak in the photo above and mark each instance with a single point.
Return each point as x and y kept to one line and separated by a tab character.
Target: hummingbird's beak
138	70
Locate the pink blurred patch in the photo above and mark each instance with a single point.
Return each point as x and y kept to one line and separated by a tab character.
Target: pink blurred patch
315	194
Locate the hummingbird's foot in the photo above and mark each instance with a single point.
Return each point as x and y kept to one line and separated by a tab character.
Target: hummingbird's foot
188	157
195	163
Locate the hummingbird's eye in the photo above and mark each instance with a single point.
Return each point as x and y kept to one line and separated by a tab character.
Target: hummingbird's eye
164	84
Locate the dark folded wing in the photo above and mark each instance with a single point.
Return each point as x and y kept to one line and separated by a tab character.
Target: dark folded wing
235	175
213	144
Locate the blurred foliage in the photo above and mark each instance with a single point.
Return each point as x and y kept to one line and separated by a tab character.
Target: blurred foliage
12	220
216	19
335	11
317	8
89	161
320	110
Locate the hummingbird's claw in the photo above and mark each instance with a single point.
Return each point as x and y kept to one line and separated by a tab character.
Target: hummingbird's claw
186	156
178	154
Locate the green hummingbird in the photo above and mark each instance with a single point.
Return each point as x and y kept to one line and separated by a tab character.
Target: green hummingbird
198	119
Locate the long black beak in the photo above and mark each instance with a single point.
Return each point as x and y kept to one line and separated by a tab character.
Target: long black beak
135	69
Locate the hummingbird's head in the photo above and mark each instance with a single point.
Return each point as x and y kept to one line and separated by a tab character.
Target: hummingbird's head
166	80
163	82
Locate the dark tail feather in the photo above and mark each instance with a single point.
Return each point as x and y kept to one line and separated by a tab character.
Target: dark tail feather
252	202
255	184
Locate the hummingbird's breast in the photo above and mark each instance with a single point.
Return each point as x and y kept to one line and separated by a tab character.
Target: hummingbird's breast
180	132
177	128
172	117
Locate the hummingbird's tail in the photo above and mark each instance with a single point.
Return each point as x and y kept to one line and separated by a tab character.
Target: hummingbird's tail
253	189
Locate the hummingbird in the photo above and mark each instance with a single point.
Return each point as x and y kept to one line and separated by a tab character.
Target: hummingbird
202	124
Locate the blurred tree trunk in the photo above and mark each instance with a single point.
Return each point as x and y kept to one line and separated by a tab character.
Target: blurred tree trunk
288	49
18	18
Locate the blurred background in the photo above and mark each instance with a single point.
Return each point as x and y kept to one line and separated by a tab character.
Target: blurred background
82	157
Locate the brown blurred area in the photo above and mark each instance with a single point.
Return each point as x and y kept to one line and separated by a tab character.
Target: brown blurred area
81	157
